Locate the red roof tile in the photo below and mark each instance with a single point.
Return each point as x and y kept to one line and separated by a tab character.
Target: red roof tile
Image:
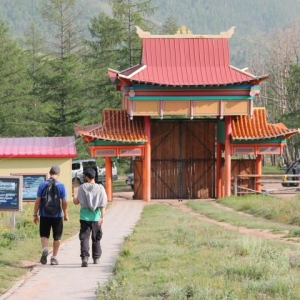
185	60
38	147
257	127
116	126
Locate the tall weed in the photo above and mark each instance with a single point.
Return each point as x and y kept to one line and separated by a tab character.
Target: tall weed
285	210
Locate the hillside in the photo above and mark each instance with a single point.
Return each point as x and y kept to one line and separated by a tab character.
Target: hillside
251	18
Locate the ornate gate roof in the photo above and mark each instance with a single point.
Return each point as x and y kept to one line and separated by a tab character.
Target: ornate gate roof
186	60
115	126
257	128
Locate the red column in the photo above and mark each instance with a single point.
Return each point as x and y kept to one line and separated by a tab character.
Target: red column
108	179
227	156
218	171
147	162
258	167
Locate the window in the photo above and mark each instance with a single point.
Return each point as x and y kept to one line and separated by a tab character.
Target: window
75	166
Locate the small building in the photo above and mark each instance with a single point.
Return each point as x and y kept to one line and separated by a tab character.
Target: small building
34	156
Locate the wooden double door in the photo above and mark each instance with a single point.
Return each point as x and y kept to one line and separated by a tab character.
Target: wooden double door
182	159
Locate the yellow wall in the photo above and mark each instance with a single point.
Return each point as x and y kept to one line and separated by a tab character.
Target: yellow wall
10	166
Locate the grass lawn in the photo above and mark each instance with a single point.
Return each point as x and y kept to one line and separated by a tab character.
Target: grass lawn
20	248
269	169
173	255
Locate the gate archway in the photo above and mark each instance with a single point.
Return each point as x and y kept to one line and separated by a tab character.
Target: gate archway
182	159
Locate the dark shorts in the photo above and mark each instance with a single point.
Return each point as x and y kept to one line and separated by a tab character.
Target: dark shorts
55	223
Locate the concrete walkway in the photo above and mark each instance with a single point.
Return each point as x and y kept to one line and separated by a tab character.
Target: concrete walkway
69	280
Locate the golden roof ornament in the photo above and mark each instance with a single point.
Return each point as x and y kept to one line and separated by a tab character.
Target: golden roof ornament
183	30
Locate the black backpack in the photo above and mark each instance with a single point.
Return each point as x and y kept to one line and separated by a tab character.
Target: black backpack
50	198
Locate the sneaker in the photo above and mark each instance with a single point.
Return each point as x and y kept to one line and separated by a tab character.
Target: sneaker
84	262
96	261
54	261
44	257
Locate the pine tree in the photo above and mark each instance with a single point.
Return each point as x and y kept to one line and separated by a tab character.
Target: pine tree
131	13
14	84
115	44
169	26
102	54
61	80
34	48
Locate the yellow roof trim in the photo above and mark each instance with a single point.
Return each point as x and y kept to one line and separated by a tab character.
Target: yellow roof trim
223	34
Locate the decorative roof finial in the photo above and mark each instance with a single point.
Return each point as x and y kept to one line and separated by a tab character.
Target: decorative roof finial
184	30
228	33
141	33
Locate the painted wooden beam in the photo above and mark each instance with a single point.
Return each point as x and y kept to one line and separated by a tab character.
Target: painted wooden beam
108	179
227	156
218	171
188	98
147	163
258	167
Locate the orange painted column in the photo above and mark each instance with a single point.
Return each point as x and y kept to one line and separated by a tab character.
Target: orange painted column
147	162
227	156
218	171
258	167
108	179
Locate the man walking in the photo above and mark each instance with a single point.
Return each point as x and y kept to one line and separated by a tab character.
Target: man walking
92	199
51	221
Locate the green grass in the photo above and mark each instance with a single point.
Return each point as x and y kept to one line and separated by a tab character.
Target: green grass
121	185
25	236
232	217
173	255
283	210
269	169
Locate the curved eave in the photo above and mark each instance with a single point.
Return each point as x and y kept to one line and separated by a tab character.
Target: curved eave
116	127
253	80
113	75
95	135
91	138
253	77
283	136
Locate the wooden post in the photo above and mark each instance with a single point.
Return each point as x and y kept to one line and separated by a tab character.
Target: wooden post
108	178
147	162
258	167
235	186
13	220
227	156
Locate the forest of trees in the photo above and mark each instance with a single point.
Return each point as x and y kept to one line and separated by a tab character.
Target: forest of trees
55	54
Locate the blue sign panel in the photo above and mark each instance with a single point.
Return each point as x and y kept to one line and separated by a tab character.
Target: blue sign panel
31	183
10	193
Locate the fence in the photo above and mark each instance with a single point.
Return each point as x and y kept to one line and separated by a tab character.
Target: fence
266	184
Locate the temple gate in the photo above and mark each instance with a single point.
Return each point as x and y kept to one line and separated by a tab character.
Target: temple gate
185	112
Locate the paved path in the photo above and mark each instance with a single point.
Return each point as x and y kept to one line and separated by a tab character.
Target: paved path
69	280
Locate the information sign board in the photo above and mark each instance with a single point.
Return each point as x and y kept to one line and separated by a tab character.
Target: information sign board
31	183
11	193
